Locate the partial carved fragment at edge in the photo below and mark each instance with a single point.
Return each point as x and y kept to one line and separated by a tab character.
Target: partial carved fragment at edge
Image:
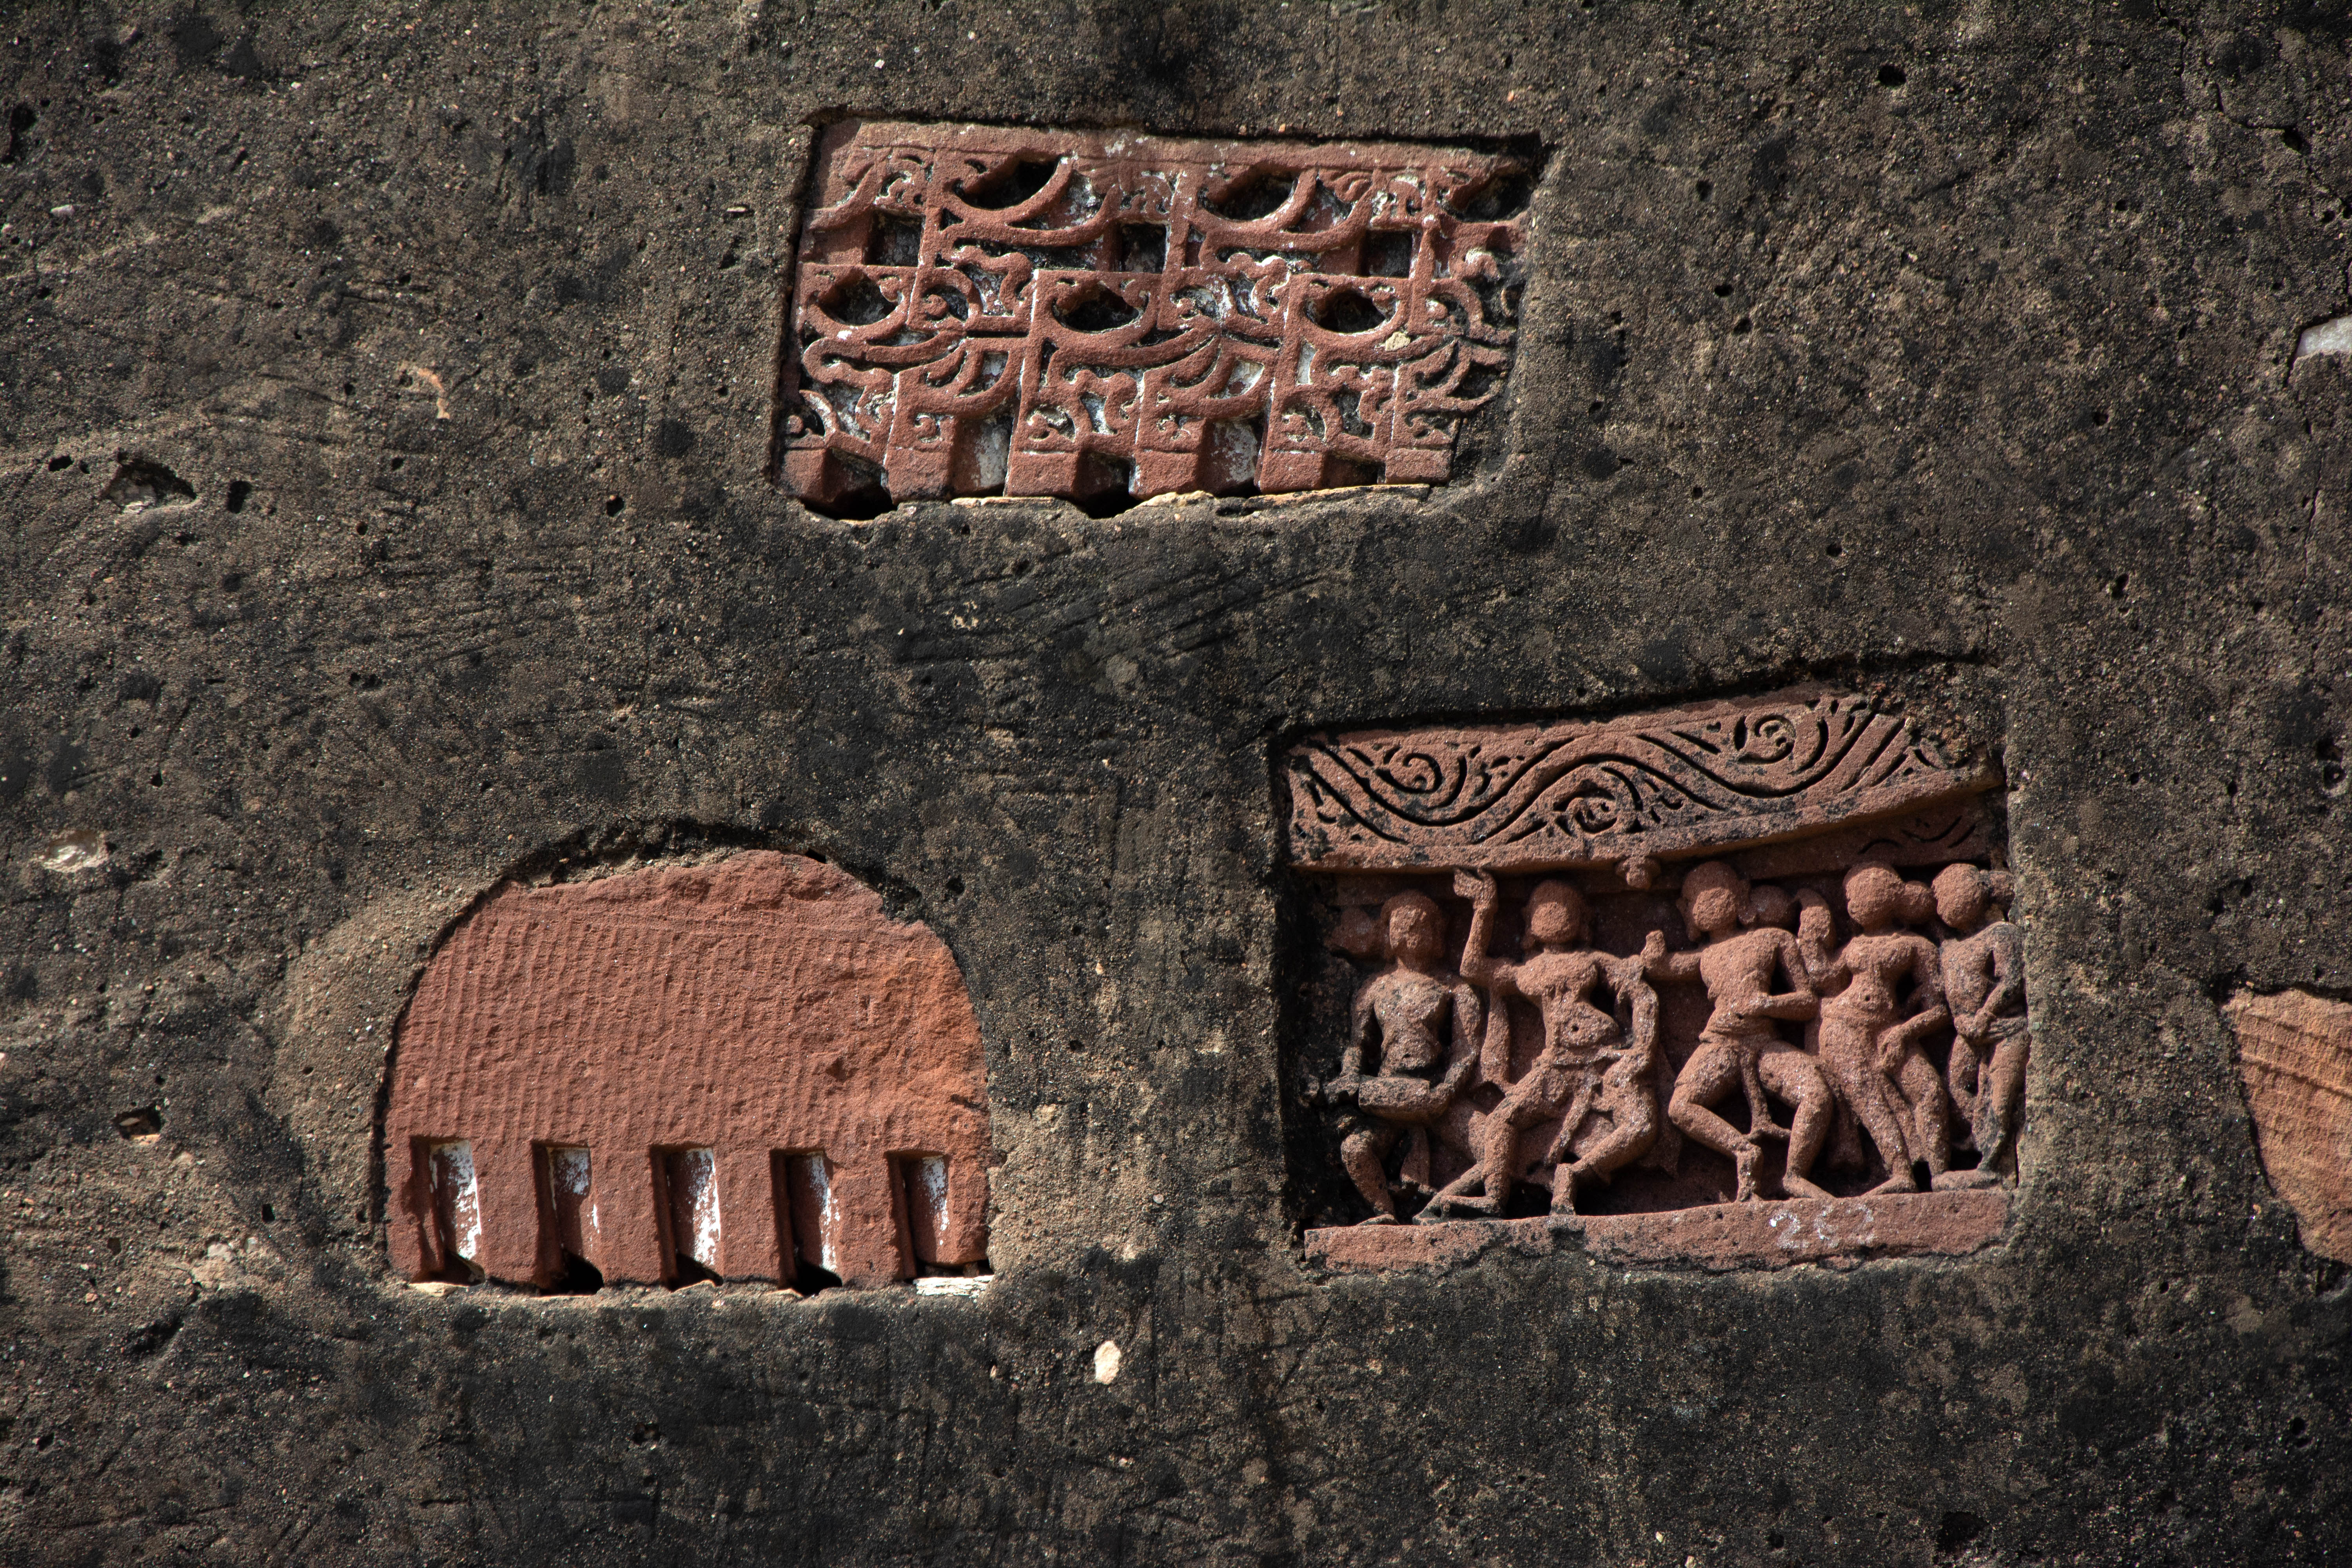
2295	1058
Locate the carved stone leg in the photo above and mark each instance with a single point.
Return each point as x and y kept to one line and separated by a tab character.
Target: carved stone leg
1759	1110
1846	1055
2000	1096
1486	1187
1709	1074
1961	1077
1364	1152
1632	1126
1931	1117
1797	1079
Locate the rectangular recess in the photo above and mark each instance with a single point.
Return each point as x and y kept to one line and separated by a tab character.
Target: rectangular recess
808	1215
920	1183
568	1238
1641	974
456	1201
686	1209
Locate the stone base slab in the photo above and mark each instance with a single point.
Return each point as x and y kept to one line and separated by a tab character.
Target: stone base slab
1840	1232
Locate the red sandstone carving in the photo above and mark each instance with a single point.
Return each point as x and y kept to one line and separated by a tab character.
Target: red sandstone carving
1739	1044
724	1071
1420	1026
1983	963
1871	1039
1066	313
2295	1056
1592	1076
1632	792
1809	801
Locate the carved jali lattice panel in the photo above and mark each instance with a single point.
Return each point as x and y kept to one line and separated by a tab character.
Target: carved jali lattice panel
979	310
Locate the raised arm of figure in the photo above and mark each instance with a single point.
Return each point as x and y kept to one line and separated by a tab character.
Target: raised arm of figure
1929	1012
1627	976
1469	1037
1816	929
1798	1003
1477	966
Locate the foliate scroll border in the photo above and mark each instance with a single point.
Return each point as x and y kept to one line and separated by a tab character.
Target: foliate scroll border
1731	776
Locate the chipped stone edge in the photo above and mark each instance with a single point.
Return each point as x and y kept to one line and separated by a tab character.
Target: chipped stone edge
1615	1240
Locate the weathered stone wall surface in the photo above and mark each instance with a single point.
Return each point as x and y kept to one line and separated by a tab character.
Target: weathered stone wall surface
382	443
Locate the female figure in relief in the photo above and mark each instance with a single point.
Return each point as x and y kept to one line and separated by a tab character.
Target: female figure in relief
1872	1034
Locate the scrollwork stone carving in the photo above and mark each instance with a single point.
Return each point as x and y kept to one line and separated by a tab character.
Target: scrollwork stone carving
1578	795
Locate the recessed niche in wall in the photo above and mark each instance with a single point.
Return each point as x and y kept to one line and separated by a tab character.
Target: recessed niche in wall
664	1076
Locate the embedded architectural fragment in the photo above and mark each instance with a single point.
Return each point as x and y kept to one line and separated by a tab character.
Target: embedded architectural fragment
2294	1055
1684	967
1709	778
741	1069
979	310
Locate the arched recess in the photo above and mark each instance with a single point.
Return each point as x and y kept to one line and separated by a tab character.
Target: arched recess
743	1069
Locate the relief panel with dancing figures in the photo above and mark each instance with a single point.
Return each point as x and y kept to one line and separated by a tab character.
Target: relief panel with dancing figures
1733	983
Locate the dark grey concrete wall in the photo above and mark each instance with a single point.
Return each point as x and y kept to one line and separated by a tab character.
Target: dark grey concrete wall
1954	343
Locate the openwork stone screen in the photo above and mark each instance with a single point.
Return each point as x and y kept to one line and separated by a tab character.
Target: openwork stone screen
979	311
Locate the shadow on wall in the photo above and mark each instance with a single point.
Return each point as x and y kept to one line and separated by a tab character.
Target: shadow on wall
737	1071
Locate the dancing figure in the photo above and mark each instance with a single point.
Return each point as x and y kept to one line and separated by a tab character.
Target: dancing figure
1740	1047
1588	1067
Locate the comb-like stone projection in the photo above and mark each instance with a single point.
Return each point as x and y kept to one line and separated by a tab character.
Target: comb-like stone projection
2295	1056
741	1069
1037	312
1661	986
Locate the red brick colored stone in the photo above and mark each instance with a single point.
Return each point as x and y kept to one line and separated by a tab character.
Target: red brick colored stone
1046	312
753	1040
1718	1237
2294	1055
1621	795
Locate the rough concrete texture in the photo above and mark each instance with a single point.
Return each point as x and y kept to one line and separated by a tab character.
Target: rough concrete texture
386	401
